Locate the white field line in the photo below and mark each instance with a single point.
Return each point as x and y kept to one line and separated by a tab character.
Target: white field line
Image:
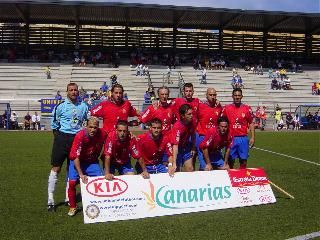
306	237
288	156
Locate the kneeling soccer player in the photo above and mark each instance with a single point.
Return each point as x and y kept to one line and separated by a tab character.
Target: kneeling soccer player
118	149
152	147
215	140
84	154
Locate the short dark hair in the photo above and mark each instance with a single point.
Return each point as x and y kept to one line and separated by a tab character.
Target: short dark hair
184	108
223	119
155	120
122	123
236	90
187	85
163	87
117	85
72	84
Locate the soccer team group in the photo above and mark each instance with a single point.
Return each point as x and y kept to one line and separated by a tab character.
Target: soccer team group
179	131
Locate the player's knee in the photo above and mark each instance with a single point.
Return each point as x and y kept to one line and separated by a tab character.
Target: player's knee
56	169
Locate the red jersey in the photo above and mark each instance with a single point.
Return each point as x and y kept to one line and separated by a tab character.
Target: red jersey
152	150
214	141
112	112
180	133
207	117
120	151
178	102
87	148
239	119
163	113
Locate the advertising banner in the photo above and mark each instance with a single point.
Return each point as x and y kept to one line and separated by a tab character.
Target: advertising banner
132	197
47	106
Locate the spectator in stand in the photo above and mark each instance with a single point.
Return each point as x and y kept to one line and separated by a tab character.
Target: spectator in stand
113	79
77	60
82	61
147	97
287	83
27	121
274	84
283	73
318	87
104	88
94	95
280	124
35	121
314	89
259	69
277	116
48	72
58	96
125	97
270	73
289	121
281	84
14	121
203	76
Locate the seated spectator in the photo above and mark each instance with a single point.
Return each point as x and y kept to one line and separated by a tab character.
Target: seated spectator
82	61
104	88
259	69
77	60
280	124
113	79
203	76
270	73
314	89
94	95
27	121
48	72
35	121
296	121
274	84
281	84
289	121
147	97
283	73
58	96
287	83
13	121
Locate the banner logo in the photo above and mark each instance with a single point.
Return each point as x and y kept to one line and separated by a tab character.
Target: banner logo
248	177
100	187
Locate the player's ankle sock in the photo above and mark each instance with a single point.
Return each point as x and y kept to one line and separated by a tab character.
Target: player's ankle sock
243	166
72	193
52	181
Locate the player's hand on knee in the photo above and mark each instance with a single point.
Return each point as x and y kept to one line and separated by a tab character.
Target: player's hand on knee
208	167
145	175
84	179
109	176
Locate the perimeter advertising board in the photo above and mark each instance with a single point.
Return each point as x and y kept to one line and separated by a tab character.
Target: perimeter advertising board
132	197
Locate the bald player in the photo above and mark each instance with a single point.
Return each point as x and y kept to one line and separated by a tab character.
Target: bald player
208	114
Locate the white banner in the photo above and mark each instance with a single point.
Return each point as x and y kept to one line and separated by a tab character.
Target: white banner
132	197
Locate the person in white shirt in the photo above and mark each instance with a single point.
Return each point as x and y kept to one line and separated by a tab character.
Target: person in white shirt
296	121
13	120
35	121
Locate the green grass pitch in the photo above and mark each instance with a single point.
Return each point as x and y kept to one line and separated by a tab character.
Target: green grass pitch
25	164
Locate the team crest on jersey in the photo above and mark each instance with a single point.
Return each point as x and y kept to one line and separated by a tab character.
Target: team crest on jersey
124	111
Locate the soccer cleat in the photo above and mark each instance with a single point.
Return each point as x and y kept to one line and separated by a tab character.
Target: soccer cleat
72	212
51	208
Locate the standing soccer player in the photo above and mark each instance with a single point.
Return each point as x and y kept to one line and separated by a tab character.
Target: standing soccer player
182	138
216	139
114	110
187	99
84	154
152	147
118	149
161	110
67	120
208	114
240	119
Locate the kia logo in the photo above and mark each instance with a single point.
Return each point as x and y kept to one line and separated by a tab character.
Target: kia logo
100	187
243	190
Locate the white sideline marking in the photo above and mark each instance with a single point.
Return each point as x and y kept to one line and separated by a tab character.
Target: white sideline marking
300	159
306	237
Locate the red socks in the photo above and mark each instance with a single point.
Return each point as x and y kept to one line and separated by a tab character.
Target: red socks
72	193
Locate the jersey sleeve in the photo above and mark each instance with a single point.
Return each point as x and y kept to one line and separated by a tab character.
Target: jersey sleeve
207	141
76	146
249	115
134	149
147	115
175	136
108	147
133	111
56	113
98	111
168	149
